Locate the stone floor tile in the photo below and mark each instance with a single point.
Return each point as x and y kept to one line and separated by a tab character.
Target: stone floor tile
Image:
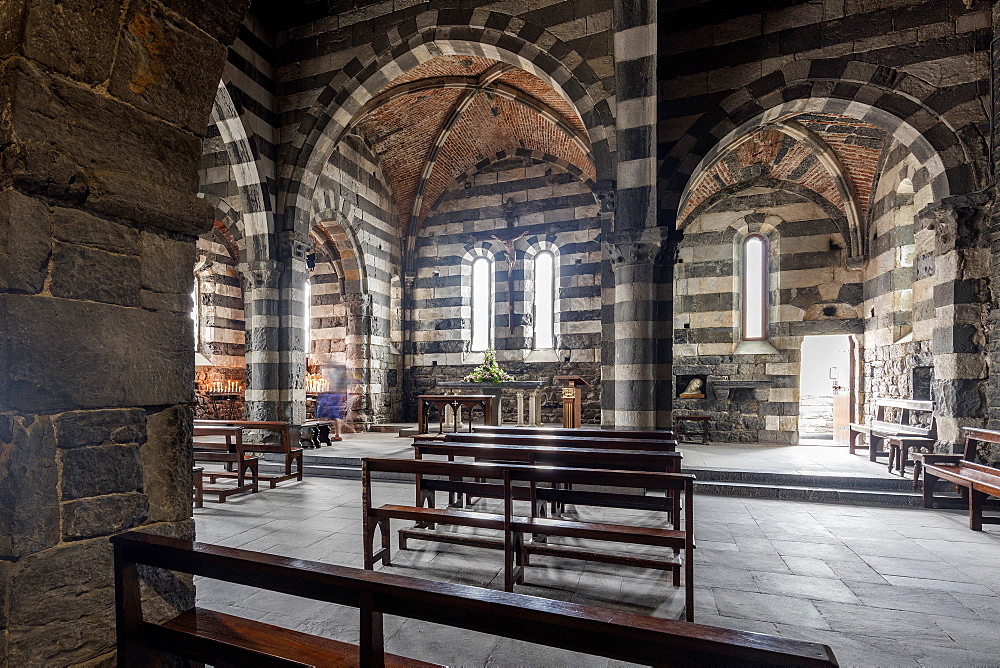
910	599
942	585
862	620
854	569
737	623
746	560
518	653
857	650
768	608
804	587
799	548
416	639
754	544
809	566
727	577
932	570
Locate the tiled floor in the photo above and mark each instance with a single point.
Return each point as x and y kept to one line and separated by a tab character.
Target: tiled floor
882	587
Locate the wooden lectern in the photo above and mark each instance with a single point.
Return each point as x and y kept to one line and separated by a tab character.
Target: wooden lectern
572	397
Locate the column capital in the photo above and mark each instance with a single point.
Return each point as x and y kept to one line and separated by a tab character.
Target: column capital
294	245
260	274
649	246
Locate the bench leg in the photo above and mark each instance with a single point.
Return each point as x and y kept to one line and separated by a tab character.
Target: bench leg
852	442
383	526
199	490
976	509
873	446
929	483
893	453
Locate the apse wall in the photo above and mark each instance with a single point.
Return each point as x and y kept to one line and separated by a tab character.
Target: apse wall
550	208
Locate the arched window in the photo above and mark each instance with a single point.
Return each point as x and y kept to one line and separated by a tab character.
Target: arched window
482	303
307	320
754	288
196	313
545	300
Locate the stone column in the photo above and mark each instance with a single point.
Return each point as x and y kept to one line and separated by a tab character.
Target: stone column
102	108
292	250
359	331
641	360
262	306
961	299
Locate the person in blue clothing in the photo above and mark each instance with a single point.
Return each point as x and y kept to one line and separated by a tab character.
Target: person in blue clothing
332	405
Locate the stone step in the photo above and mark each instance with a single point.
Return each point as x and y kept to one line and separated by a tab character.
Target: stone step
887	492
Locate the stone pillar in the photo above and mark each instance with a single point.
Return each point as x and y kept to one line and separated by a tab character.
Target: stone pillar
961	300
292	250
101	114
641	372
262	306
359	331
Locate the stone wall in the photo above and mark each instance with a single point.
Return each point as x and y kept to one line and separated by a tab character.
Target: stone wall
98	219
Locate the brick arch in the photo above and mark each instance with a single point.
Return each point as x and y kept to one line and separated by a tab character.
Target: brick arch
489	34
902	104
256	221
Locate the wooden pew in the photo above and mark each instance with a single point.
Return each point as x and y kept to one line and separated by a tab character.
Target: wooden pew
974	480
205	636
594	458
879	429
224	445
516	549
973	437
657	435
589	442
283	429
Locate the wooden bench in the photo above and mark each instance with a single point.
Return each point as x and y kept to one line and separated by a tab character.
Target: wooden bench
590	442
973	437
975	481
284	447
657	435
594	458
198	486
204	636
880	429
224	445
516	549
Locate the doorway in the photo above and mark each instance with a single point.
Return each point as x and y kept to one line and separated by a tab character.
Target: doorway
825	382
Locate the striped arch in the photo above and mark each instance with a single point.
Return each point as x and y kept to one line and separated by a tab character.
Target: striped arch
256	222
403	46
330	231
520	153
907	107
227	222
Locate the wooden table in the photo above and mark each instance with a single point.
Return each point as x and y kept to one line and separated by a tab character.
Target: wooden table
697	419
456	402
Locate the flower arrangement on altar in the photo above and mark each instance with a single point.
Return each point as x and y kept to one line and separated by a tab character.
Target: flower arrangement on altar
489	371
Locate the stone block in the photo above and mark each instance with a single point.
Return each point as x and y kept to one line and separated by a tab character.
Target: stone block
167	67
29	521
166	465
24	242
151	176
221	20
103	515
76	38
78	227
68	354
162	301
167	264
61	608
79	272
103	469
77	429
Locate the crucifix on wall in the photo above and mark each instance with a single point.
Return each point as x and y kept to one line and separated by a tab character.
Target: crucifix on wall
508	241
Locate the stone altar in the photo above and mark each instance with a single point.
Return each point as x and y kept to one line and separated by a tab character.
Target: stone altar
532	387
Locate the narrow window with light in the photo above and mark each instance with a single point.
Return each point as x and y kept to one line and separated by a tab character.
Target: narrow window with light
545	305
482	296
307	321
755	288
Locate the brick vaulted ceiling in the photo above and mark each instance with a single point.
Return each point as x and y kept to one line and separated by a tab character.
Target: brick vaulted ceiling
444	116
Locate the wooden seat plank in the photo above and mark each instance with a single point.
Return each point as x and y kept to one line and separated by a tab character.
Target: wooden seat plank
980	481
274	641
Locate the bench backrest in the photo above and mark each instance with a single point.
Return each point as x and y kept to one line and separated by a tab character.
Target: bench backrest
589	442
632	460
973	437
206	438
906	408
608	633
284	429
657	435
